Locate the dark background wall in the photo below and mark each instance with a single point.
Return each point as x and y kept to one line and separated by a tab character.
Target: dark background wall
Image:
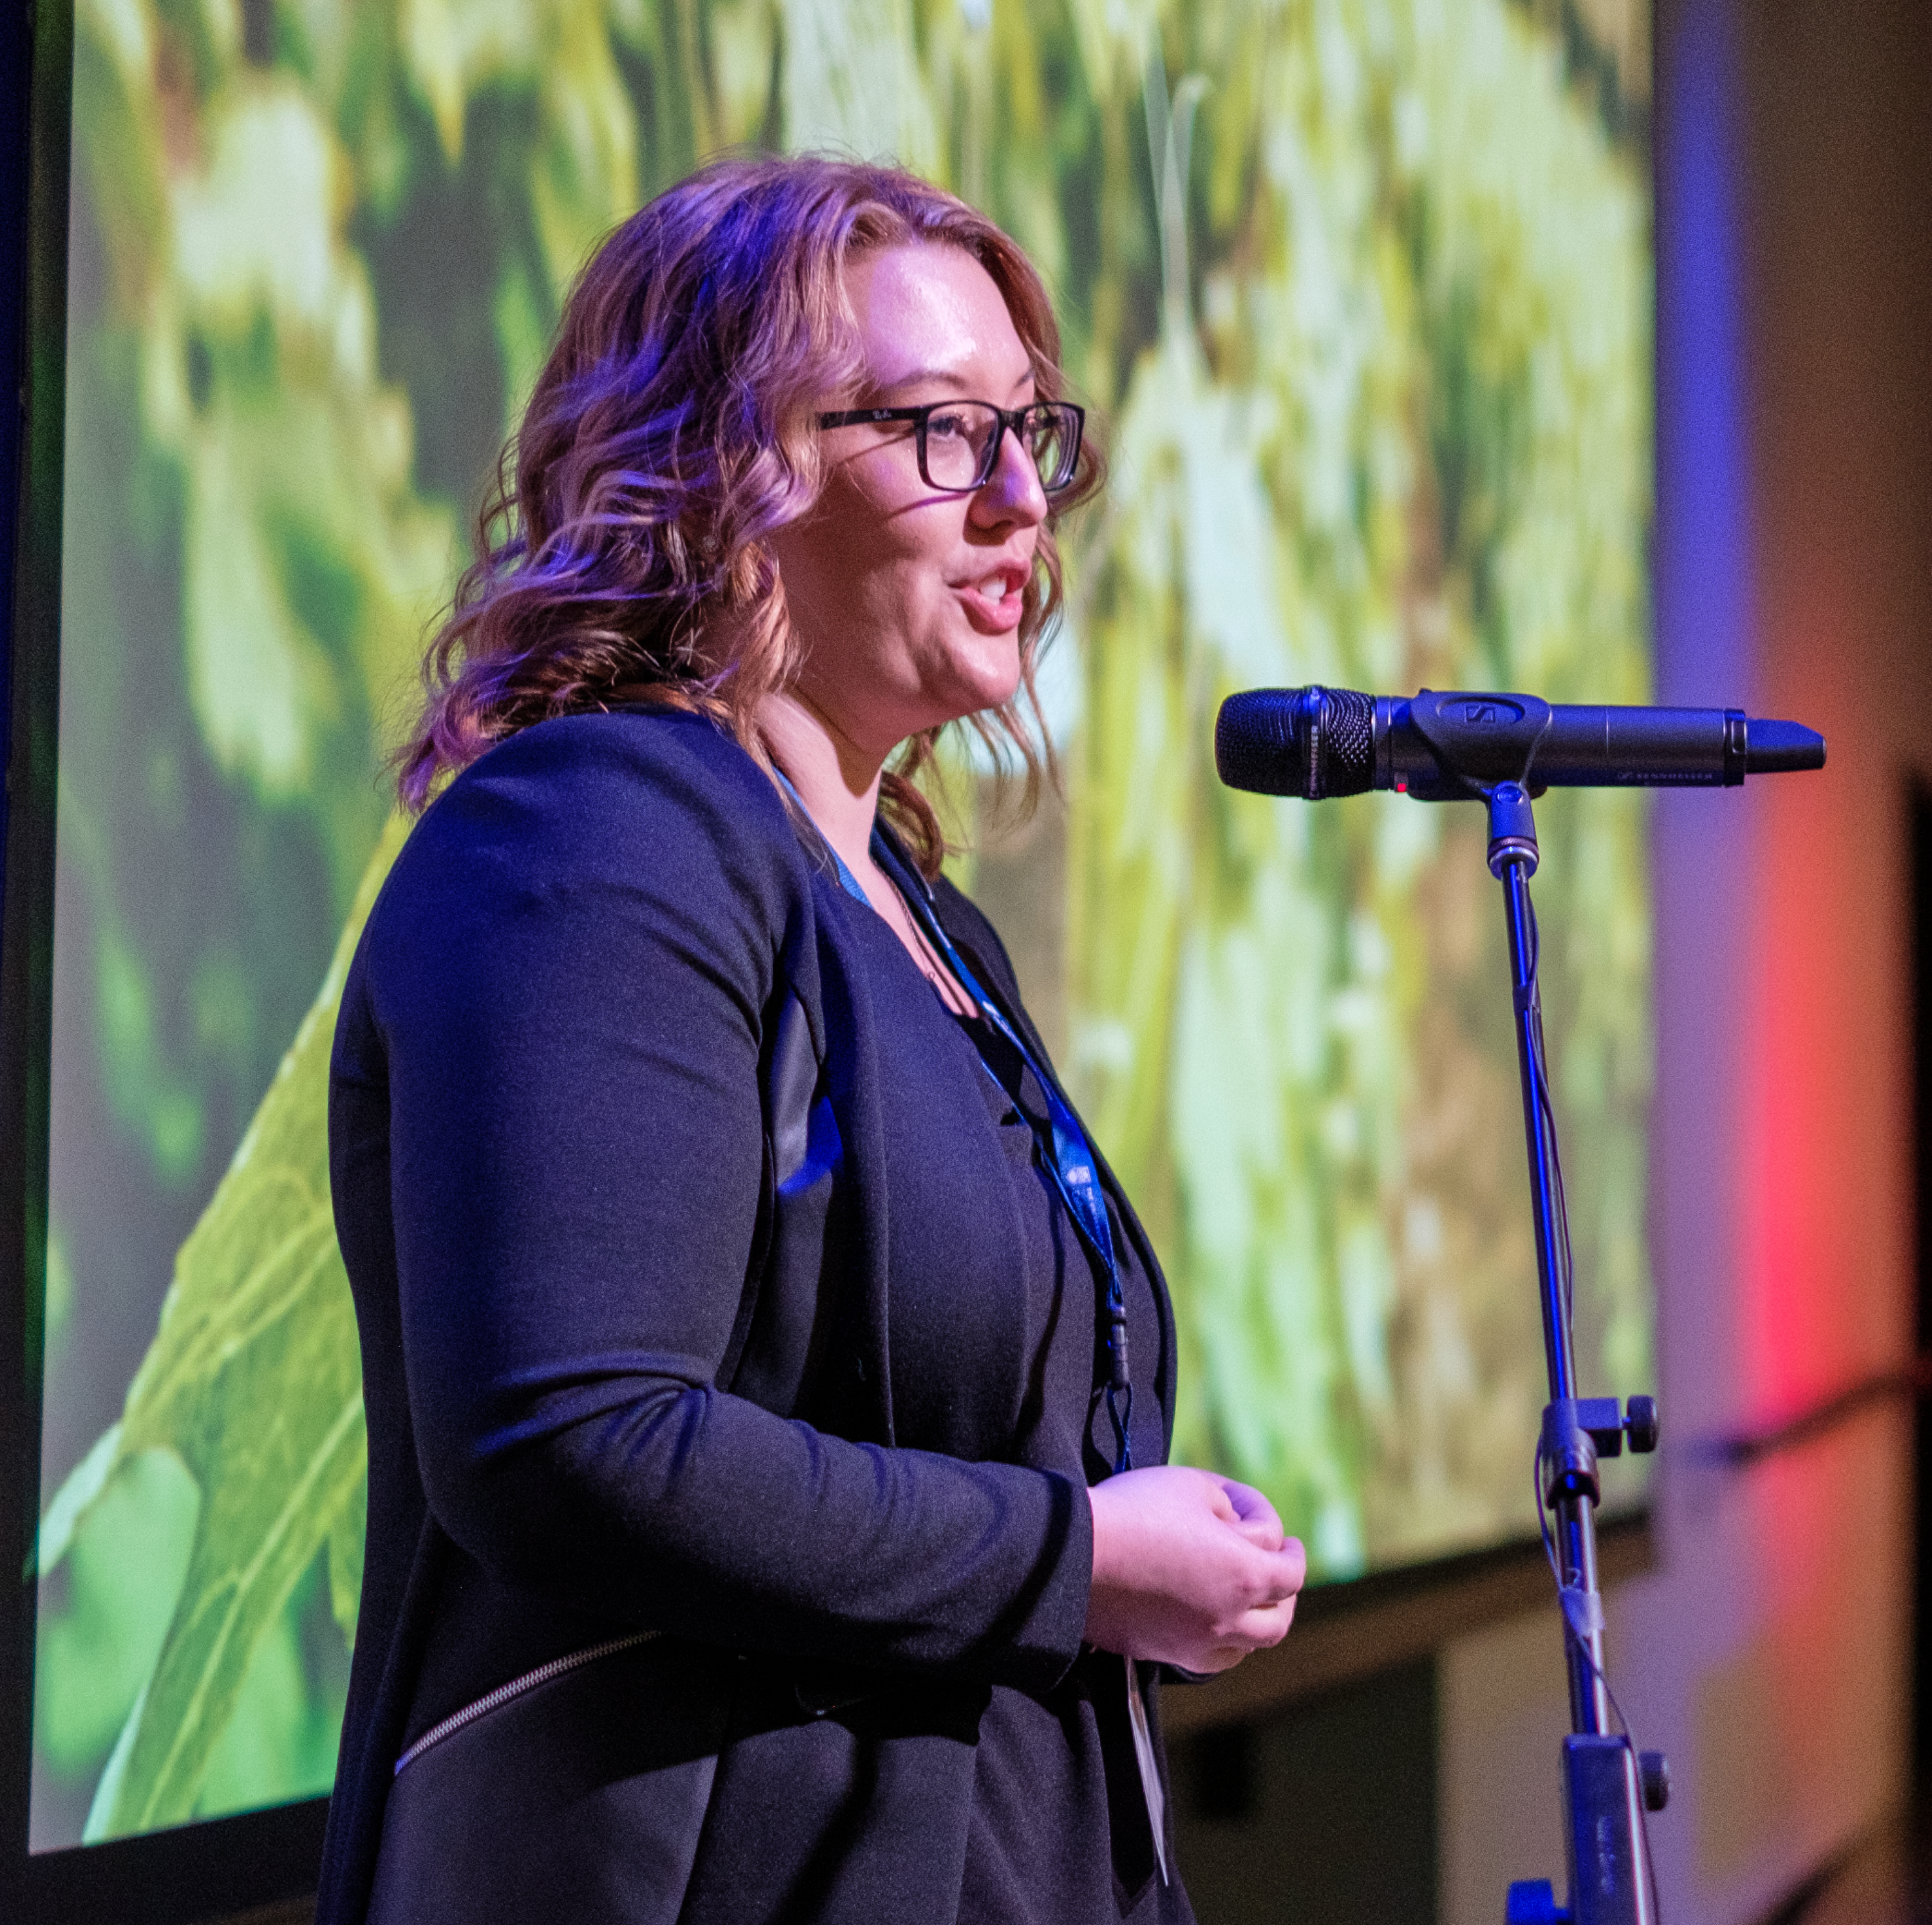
1770	1654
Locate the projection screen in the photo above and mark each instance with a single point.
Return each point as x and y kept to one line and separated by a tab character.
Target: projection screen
1359	295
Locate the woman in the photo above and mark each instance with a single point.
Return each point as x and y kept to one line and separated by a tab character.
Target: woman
744	1317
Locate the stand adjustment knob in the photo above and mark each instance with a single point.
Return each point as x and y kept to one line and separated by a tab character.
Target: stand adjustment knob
1654	1769
1641	1425
1531	1902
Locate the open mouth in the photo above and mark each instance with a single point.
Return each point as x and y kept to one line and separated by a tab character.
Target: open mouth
999	592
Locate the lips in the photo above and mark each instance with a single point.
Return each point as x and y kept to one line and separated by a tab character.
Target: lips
995	596
997	583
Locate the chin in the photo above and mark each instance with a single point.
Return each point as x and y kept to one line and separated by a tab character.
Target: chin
986	704
965	681
991	690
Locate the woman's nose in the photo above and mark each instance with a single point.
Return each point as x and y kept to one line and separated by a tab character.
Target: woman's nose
1012	491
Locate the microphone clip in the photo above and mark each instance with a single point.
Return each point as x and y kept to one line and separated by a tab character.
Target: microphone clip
1477	741
1512	829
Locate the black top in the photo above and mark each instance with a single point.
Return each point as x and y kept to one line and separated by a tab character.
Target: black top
683	1313
1052	1767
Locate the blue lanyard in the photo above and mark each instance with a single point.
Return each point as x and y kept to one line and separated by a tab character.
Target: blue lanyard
1063	1146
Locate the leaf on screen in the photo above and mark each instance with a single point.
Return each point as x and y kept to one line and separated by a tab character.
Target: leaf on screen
254	1380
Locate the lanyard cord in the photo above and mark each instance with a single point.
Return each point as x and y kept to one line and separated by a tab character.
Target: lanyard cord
1063	1146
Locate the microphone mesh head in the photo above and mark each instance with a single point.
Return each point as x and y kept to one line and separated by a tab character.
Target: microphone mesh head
1259	742
1344	759
1307	742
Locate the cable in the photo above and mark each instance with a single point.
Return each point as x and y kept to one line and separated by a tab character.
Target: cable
1602	1677
1546	1117
1566	1281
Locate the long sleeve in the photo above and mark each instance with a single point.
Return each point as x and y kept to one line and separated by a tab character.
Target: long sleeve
567	987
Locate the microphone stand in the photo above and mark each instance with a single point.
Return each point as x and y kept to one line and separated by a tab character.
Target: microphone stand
1607	1786
1439	746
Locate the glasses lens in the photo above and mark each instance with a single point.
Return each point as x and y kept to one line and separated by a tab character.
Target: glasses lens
958	443
1053	440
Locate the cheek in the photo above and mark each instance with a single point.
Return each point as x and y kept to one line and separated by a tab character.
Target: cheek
895	588
834	562
813	560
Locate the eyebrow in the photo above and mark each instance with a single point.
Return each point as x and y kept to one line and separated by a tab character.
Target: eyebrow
945	377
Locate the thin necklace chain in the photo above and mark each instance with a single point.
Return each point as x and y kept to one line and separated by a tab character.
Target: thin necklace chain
951	992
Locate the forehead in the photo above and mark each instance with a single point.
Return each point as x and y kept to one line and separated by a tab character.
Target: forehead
932	315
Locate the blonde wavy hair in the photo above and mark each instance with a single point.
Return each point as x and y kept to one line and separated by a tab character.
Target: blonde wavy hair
622	553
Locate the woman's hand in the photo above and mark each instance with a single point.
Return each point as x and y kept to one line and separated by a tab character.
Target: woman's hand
1189	1568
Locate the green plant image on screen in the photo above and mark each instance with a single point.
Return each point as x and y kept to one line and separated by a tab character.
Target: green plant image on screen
1360	293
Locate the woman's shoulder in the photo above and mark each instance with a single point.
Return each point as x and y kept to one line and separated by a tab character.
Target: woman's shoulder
626	801
594	781
629	759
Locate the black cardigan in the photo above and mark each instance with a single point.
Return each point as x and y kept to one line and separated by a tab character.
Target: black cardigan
610	1186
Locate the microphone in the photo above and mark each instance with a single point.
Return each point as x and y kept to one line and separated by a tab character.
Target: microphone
1448	744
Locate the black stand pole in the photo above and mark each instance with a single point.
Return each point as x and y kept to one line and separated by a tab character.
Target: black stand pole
1606	1785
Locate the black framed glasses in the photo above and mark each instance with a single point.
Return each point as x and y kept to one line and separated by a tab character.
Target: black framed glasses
957	442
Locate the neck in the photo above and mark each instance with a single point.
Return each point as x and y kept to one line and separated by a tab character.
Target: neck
837	781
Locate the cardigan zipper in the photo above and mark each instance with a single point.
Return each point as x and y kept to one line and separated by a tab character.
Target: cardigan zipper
491	1700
